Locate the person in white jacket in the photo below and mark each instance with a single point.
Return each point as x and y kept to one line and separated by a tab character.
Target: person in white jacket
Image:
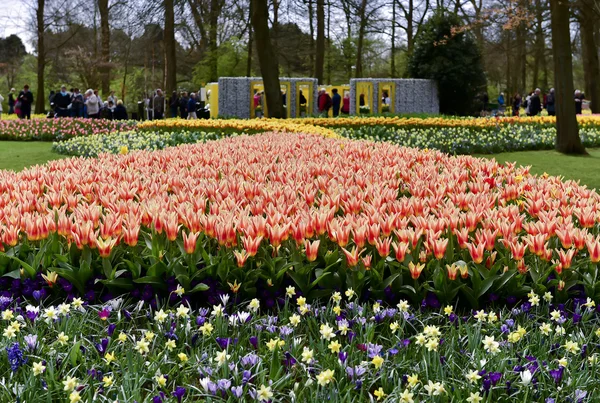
93	106
1	100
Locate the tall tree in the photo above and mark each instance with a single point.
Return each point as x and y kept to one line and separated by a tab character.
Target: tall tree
567	130
105	67
12	52
320	51
588	22
250	42
393	50
170	48
362	28
40	99
269	66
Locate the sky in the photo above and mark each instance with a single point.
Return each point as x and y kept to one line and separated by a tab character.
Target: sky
12	14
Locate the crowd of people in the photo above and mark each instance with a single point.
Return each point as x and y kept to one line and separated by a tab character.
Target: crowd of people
183	104
20	103
73	103
535	102
325	102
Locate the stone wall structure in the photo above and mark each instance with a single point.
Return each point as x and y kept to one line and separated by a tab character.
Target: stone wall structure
236	95
408	96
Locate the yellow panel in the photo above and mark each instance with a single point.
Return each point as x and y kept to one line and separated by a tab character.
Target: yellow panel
366	89
390	88
213	100
308	86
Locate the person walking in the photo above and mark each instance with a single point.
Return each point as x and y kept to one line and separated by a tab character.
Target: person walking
112	98
62	100
346	104
26	99
535	103
183	105
578	97
92	104
501	106
11	101
516	105
191	107
324	102
173	104
120	112
77	103
158	105
550	103
336	102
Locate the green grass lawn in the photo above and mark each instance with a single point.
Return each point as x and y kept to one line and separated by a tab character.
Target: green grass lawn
586	169
17	155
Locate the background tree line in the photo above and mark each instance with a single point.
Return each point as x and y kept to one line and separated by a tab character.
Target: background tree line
133	47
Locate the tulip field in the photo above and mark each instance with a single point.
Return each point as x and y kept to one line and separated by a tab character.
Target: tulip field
359	259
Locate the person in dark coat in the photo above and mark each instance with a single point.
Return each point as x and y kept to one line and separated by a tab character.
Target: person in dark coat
535	103
120	112
62	100
11	101
579	97
336	101
516	105
26	99
550	103
302	98
183	105
173	104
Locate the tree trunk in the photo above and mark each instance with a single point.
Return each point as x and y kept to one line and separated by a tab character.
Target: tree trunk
320	53
567	130
40	100
361	38
410	29
393	50
540	44
311	26
591	65
269	66
104	46
250	44
520	59
215	11
170	50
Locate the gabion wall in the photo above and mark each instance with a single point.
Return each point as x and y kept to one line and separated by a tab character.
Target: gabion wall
235	97
412	95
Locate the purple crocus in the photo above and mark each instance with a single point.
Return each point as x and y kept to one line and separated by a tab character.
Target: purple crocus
101	347
237	391
557	374
31	341
254	341
223	384
159	398
178	393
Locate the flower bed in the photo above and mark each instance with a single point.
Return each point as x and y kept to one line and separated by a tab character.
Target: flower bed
59	129
237	126
256	214
123	142
471	140
343	351
12	116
